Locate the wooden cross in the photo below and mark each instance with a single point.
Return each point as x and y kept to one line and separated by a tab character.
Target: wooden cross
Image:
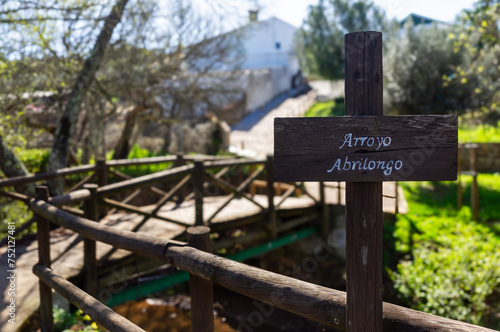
365	148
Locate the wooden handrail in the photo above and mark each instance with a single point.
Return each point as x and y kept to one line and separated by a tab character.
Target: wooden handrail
146	245
311	301
47	175
70	198
140	161
232	162
145	180
92	307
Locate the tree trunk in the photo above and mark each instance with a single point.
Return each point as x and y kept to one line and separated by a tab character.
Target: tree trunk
123	146
11	166
59	156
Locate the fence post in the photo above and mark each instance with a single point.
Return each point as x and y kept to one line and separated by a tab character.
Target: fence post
273	222
102	180
475	189
202	297
180	162
325	227
43	238
89	246
198	180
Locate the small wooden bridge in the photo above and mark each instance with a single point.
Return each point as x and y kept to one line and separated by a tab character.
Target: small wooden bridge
148	215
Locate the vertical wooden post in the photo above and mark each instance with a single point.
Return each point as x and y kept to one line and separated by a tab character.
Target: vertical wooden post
364	218
89	246
43	237
198	180
459	180
271	210
475	189
325	225
102	180
202	297
396	198
181	194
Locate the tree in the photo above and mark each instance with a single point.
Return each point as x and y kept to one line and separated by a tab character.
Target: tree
155	50
415	63
478	37
319	43
67	124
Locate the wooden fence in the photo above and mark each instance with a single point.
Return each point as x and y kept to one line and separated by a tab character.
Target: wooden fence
189	178
314	302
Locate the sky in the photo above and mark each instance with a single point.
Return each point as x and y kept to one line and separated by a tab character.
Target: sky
294	11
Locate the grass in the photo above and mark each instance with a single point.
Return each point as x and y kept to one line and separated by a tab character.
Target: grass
327	108
479	134
449	265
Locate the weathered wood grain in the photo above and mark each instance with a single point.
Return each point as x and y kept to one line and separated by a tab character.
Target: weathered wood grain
363	203
318	303
43	237
201	290
307	149
89	305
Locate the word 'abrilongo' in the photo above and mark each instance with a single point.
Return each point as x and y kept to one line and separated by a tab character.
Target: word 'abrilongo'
366	163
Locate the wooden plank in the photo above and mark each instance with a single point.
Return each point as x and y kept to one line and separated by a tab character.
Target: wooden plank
89	246
199	191
47	175
89	305
140	161
70	198
135	209
240	188
43	238
145	180
142	244
318	303
363	207
201	290
368	148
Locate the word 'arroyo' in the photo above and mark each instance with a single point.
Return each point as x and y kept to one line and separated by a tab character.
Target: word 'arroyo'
365	141
366	163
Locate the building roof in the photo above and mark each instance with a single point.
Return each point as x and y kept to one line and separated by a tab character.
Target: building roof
419	19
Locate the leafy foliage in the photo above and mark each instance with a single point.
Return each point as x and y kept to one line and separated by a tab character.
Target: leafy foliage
415	64
319	43
449	265
478	38
65	321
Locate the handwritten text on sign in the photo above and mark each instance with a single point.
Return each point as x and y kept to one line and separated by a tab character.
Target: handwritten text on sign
365	163
363	149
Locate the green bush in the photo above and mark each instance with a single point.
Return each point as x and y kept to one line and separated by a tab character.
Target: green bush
35	160
139	170
451	264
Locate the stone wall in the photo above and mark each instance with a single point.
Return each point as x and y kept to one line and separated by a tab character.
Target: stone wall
487	156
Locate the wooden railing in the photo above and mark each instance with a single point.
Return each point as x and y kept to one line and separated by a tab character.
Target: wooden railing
189	178
321	304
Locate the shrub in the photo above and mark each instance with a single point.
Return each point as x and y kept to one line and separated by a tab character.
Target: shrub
450	264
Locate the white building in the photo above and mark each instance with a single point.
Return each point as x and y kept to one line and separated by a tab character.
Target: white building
268	44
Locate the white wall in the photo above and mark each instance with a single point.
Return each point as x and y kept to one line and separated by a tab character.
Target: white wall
260	40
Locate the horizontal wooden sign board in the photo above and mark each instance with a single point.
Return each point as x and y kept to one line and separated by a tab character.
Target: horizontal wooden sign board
366	148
